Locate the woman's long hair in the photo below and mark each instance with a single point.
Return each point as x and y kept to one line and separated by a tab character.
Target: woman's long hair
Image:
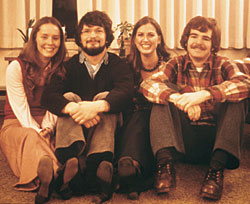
33	72
161	49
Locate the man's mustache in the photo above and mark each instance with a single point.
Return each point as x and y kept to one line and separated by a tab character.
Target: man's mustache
199	46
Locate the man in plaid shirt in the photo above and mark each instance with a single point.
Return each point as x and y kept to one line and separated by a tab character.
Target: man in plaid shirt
200	108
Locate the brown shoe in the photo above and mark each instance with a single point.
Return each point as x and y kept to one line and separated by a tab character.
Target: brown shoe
129	173
165	178
45	174
66	174
104	176
127	167
212	185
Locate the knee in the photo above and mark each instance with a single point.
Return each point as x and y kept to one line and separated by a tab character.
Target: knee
110	118
234	110
159	110
32	135
239	107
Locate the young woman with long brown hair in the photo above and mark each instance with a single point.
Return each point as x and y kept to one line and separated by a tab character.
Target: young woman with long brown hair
28	128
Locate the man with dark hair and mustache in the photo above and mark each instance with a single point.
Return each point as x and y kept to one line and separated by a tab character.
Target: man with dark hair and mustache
97	86
201	106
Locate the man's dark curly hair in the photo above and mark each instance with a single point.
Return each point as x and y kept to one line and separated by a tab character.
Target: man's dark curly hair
202	24
95	18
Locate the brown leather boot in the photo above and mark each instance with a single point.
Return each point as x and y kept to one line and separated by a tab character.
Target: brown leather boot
212	185
165	178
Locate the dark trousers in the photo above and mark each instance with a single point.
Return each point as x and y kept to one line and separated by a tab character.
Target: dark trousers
248	115
170	127
134	140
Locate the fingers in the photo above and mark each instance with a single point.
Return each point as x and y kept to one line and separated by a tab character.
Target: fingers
91	123
79	118
189	103
83	116
45	132
186	100
88	124
183	105
194	112
70	108
180	101
186	107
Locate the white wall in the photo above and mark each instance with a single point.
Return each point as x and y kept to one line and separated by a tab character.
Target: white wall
3	64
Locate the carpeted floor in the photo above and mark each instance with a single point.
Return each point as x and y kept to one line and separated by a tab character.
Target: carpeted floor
189	178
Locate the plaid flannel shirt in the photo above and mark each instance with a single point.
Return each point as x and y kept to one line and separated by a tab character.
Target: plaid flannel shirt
220	76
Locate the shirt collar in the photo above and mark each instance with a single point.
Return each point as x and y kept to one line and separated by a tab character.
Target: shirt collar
188	61
82	58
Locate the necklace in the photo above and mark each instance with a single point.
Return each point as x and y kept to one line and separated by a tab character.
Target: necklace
154	68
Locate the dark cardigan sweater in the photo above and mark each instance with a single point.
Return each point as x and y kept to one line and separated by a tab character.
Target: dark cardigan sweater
115	77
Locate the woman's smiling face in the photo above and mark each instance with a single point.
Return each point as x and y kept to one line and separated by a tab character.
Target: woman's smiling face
48	41
147	39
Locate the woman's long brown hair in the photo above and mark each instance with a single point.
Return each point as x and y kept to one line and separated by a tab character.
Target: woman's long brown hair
134	56
33	72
